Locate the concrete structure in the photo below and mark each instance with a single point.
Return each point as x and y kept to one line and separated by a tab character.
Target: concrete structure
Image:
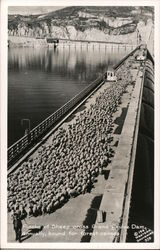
133	174
29	41
130	172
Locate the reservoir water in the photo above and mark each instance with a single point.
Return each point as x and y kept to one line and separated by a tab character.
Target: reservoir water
41	80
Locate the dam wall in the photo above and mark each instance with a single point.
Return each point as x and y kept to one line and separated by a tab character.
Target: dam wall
24	41
142	202
128	167
129	196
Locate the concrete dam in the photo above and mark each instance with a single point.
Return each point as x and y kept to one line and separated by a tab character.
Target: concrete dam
88	169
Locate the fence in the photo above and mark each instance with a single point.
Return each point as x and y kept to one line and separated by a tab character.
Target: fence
124	58
18	147
21	145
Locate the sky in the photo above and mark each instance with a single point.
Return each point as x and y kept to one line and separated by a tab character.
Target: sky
28	10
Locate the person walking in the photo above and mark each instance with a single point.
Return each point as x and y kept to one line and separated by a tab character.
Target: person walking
17	216
17	223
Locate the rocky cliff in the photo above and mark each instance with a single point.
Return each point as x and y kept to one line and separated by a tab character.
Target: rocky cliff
87	23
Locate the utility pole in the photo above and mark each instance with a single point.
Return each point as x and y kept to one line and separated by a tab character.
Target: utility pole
139	39
137	36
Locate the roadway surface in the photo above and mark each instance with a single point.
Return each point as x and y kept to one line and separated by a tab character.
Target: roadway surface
74	221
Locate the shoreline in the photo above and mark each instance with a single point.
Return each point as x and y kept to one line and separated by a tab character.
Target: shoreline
19	41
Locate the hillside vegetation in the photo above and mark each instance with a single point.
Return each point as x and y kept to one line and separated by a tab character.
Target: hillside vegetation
78	22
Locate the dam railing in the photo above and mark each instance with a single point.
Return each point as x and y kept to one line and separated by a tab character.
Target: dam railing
18	147
15	151
116	67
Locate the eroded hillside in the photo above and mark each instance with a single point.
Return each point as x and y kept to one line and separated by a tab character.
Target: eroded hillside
86	23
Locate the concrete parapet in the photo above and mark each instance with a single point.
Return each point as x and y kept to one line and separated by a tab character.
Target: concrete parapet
142	202
116	198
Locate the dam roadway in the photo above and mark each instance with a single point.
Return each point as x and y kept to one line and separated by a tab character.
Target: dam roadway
100	133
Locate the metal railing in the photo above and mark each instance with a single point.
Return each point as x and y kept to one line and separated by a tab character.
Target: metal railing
18	147
124	58
26	141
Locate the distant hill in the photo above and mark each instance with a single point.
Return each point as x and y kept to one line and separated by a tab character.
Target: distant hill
78	21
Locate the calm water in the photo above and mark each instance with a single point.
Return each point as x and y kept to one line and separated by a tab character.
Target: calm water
40	80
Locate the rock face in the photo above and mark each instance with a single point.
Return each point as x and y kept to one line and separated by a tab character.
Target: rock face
86	23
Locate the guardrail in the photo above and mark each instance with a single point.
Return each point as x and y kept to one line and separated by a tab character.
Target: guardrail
36	133
124	58
18	147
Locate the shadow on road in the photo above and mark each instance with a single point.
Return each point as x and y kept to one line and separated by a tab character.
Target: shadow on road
91	218
30	232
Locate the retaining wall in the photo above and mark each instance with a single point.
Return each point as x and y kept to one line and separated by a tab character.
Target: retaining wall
142	203
134	157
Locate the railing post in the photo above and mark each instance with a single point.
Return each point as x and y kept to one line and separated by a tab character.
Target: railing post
35	133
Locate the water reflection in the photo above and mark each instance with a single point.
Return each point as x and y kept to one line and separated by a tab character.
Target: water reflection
40	80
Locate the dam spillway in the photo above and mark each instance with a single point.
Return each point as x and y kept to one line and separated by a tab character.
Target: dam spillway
116	110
